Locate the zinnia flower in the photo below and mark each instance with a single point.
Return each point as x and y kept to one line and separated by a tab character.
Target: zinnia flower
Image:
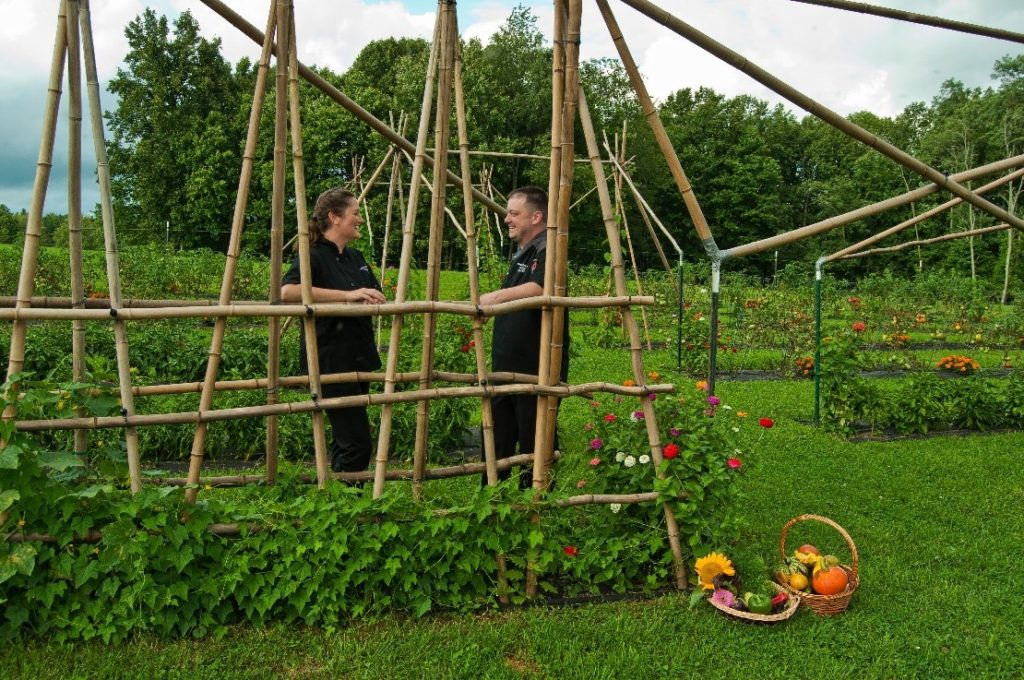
710	566
628	382
701	385
580	484
858	326
630	461
620	456
714	401
570	550
636	416
766	423
741	414
596	443
595	461
723	597
615	507
670	451
644	459
675	431
734	463
610	418
588	427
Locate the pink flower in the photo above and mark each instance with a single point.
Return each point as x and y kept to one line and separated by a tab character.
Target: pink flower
734	463
570	550
580	484
766	423
723	597
670	451
588	427
675	431
595	461
638	415
596	443
710	412
610	418
714	401
652	396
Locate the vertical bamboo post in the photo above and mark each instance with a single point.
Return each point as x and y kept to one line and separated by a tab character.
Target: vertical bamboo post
306	273
405	260
33	226
619	154
442	129
274	330
700	224
113	266
75	207
230	267
395	177
486	416
629	322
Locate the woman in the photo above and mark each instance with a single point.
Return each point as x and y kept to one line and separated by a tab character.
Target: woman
340	274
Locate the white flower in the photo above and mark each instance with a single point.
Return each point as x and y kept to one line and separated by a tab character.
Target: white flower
738	452
630	461
620	456
727	407
735	429
645	459
616	507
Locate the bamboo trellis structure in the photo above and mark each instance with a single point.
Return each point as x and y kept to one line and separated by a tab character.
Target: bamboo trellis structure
278	41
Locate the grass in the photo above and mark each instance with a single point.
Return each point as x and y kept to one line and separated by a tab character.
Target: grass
936	522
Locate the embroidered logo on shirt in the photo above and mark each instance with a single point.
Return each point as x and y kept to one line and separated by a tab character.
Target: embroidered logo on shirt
521	267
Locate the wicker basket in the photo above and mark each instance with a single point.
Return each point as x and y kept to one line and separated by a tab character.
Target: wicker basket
824	605
789	610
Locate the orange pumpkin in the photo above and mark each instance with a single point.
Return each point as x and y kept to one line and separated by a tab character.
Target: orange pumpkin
827	581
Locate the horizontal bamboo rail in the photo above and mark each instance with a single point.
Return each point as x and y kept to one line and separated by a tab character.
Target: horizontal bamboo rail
773	242
214	415
914	17
234	529
298	381
49	302
871	240
363	476
928	241
325	309
317	81
507	154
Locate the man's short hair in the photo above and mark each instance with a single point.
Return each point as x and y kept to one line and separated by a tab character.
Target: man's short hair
535	197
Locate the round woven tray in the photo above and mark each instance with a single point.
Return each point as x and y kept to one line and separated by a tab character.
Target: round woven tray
824	605
789	610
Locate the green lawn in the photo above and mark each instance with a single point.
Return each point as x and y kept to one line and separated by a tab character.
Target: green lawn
937	523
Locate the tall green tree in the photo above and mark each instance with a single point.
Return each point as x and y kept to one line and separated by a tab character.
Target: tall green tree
176	133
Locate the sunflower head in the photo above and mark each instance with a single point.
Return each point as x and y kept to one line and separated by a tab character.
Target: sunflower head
710	566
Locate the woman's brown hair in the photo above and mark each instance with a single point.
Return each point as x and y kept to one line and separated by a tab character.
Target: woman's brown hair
336	200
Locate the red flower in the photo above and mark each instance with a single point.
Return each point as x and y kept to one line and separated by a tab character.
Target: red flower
570	550
610	418
766	423
734	463
670	451
465	348
858	326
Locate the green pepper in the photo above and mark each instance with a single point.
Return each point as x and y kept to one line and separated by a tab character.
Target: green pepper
757	603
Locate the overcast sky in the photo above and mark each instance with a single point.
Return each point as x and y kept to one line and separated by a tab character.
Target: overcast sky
849	62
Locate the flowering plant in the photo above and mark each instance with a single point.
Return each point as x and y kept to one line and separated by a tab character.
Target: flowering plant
961	365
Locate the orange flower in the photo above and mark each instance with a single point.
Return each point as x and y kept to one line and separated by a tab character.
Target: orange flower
628	382
701	385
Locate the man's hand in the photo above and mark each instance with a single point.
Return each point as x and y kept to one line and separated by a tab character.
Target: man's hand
366	296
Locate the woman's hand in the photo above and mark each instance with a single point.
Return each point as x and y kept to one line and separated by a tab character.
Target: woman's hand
366	296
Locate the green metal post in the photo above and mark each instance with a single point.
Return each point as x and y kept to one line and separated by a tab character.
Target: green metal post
679	320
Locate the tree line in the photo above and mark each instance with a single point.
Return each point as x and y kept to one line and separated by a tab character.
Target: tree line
177	131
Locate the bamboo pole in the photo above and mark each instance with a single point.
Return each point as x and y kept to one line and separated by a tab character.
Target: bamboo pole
620	210
230	265
317	81
700	223
506	154
442	129
74	66
113	266
395	177
629	322
325	309
819	110
277	198
59	302
377	399
922	242
33	225
490	466
405	259
306	272
920	218
915	18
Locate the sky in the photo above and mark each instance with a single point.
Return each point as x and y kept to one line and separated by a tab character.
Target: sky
849	62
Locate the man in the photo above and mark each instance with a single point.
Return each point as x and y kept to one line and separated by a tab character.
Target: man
516	342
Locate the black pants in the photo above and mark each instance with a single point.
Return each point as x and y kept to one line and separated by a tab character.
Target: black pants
515	425
350	429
